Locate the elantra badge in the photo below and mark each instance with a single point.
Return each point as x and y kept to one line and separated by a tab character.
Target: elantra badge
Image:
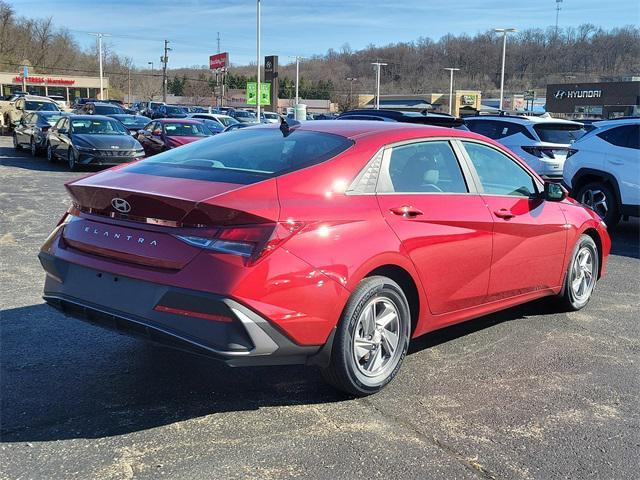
115	146
121	205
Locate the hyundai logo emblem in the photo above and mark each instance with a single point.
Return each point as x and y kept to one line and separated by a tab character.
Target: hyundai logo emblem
121	205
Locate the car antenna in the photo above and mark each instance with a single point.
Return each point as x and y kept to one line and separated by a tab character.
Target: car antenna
285	127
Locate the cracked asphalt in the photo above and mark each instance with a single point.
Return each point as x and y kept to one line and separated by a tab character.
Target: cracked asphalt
526	393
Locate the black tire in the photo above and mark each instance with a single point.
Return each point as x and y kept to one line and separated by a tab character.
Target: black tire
51	158
16	145
593	194
72	160
33	147
344	371
567	299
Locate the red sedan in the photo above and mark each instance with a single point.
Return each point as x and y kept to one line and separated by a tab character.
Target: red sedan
328	243
167	133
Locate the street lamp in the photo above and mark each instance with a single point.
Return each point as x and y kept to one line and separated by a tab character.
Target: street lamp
99	37
351	80
378	65
504	32
297	77
451	88
258	59
151	63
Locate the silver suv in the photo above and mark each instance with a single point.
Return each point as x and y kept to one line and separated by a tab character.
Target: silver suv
543	142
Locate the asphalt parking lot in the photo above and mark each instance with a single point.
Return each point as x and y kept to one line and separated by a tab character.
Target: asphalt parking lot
526	393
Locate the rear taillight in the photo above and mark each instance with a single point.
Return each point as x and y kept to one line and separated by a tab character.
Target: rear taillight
250	241
545	152
571	151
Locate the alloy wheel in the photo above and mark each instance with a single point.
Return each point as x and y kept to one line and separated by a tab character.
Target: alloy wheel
583	277
71	158
376	337
597	200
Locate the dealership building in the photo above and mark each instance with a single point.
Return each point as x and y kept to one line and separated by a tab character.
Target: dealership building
40	84
594	100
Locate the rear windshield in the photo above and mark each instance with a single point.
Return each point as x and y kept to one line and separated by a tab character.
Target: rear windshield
41	106
108	109
244	156
559	132
174	110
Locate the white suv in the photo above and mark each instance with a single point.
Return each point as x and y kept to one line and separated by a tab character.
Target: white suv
542	142
603	169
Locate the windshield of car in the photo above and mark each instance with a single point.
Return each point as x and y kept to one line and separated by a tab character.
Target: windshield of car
243	114
175	110
108	109
133	119
245	156
559	132
34	105
52	118
186	130
212	124
271	115
226	121
97	127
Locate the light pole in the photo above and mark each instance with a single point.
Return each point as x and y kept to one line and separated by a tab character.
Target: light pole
99	37
378	65
258	59
451	88
504	32
351	80
298	77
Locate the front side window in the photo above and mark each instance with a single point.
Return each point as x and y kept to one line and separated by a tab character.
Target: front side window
185	129
107	109
499	174
424	167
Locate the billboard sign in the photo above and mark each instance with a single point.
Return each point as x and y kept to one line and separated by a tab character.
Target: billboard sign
265	90
219	61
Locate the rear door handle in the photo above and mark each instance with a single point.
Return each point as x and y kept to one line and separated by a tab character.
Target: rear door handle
406	211
504	213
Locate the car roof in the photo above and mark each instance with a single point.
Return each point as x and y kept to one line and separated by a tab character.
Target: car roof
523	119
389	113
392	131
177	120
90	117
37	98
616	122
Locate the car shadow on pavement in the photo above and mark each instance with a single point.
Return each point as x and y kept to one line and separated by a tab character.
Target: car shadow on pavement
61	379
11	158
625	238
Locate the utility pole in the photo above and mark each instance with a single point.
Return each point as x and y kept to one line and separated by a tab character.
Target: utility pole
218	42
351	80
558	2
164	59
129	82
451	89
504	32
378	65
258	93
99	37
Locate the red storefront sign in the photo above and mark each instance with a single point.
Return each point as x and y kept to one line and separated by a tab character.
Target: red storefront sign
219	60
45	80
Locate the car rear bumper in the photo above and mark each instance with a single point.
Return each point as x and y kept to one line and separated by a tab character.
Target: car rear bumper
198	322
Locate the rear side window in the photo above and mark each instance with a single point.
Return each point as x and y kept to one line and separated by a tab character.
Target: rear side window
559	132
627	136
496	129
245	156
424	167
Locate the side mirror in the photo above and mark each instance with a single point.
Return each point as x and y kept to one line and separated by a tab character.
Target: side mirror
554	192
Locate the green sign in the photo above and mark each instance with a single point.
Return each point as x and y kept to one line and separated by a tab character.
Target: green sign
265	91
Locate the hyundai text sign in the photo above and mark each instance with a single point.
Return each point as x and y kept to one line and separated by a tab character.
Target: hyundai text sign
560	94
219	61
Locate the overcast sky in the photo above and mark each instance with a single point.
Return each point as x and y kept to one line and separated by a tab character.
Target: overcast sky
302	27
